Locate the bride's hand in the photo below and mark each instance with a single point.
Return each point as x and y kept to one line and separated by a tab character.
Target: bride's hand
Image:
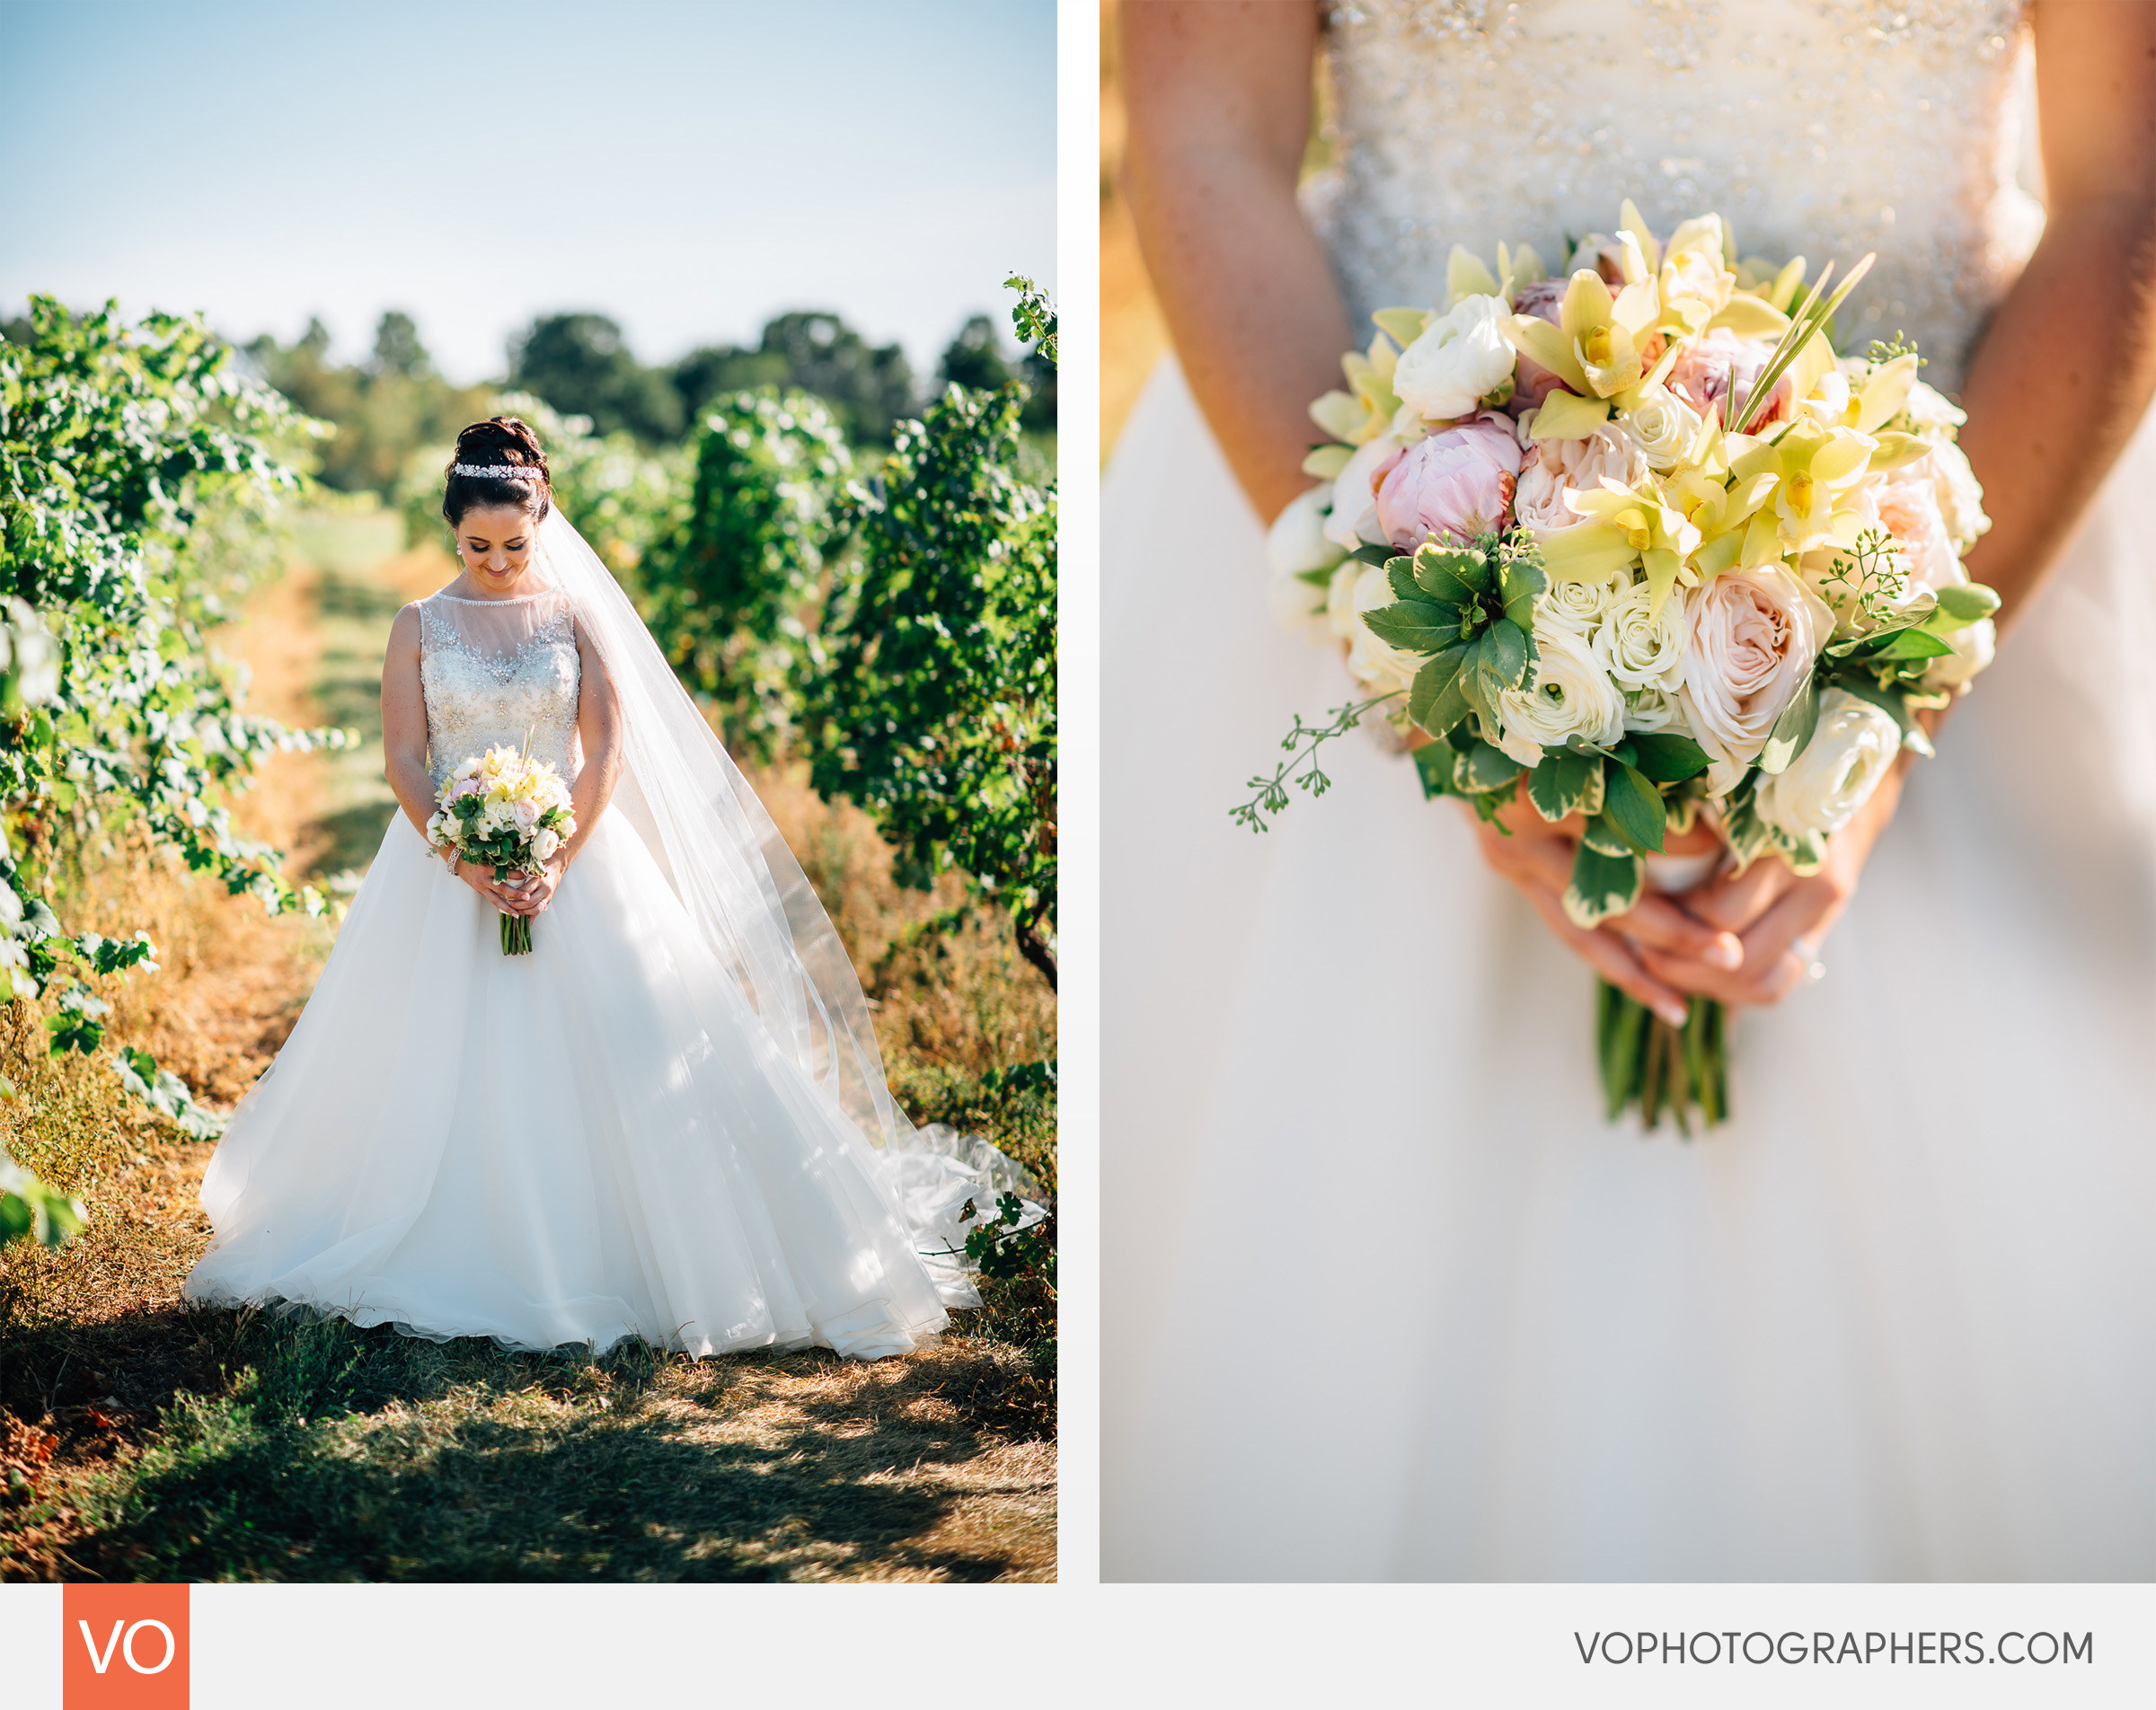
538	889
1537	858
480	877
1781	918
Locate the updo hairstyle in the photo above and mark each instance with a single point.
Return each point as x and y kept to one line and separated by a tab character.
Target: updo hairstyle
502	440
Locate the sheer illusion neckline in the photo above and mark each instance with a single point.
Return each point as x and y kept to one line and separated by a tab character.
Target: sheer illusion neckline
507	599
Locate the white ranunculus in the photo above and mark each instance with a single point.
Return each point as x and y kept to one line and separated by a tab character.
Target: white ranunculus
1974	647
1383	666
546	841
1340	616
1639	647
1663	426
1650	710
1570	695
469	768
437	830
1460	359
1581	606
1852	747
1296	545
1353	522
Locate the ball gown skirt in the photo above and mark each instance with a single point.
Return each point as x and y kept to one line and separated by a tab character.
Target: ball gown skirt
1386	1297
594	1140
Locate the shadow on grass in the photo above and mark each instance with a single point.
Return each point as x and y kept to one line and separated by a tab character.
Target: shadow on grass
327	1452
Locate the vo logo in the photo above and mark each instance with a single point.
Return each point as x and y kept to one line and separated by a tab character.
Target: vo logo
125	1647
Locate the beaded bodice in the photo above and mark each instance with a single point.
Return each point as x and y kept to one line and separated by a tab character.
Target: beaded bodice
493	671
1817	127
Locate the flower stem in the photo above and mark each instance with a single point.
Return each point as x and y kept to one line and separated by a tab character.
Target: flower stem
1655	1069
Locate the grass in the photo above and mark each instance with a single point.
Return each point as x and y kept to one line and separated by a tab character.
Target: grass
139	1441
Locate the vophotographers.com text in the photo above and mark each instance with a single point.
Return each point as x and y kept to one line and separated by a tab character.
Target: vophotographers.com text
1792	1647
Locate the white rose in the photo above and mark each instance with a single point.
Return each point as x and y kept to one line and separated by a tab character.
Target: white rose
1930	416
1960	498
525	814
1379	664
1554	464
469	768
1571	695
437	831
1460	359
1851	748
1751	638
1640	650
545	841
1664	426
1581	606
1974	647
1354	518
1296	545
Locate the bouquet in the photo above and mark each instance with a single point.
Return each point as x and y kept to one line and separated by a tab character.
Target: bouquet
1634	541
504	808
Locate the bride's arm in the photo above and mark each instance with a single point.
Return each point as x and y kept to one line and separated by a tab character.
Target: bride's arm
2067	367
404	721
599	733
1219	99
2060	381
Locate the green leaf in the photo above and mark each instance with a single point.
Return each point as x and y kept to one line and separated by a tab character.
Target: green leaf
1793	729
1447	573
1604	835
1602	885
1634	807
1964	604
1400	573
1433	680
1417	626
1522	583
1380	556
1910	643
1566	783
1485	766
1451	702
1434	766
1502	657
1665	756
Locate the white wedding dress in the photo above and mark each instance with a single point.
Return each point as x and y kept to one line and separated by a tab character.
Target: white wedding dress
1385	1296
598	1139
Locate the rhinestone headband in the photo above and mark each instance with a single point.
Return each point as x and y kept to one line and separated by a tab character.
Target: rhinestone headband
499	472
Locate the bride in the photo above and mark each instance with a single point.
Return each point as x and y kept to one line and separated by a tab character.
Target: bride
668	1119
1384	1296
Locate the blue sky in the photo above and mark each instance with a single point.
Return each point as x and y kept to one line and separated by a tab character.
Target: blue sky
688	169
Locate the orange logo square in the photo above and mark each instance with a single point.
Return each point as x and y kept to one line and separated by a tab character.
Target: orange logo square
125	1647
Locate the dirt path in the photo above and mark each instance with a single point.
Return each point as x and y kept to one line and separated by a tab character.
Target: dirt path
184	1446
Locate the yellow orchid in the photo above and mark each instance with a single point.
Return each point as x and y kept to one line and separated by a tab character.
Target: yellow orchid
1816	469
1626	525
1359	416
1593	349
1467	275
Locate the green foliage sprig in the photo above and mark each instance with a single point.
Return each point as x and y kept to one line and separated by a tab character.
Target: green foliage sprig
935	709
29	1211
733	592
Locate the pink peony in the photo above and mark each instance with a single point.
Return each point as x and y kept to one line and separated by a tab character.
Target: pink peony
1718	363
1533	382
1459	482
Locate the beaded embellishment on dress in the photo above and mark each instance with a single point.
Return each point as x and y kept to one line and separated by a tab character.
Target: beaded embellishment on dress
492	674
1473	121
